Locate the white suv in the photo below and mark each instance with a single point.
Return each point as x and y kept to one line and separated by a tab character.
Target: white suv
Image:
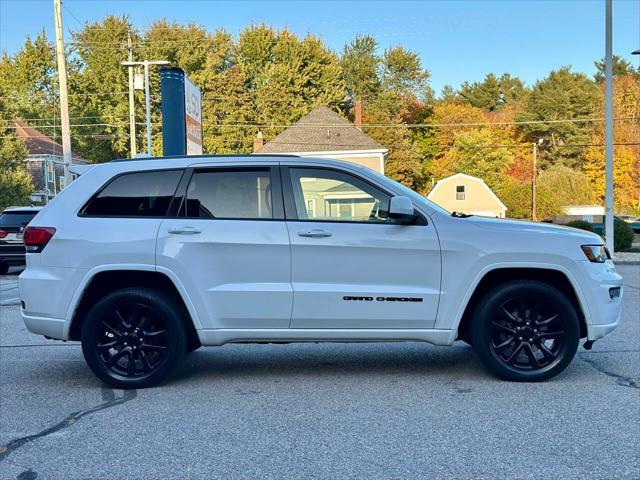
146	260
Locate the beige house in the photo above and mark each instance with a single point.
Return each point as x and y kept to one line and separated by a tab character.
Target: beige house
324	133
467	194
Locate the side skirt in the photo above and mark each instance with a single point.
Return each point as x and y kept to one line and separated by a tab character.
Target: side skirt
223	335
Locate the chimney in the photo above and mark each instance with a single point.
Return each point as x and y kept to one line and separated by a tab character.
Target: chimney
258	142
357	107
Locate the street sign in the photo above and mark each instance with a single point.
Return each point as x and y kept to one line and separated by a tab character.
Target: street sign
181	113
193	117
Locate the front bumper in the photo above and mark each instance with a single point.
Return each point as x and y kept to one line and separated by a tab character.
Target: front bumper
602	312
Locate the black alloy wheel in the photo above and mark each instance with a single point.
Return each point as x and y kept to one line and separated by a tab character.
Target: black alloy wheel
133	338
526	331
132	341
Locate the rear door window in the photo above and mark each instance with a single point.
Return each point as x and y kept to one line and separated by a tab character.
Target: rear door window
139	194
230	194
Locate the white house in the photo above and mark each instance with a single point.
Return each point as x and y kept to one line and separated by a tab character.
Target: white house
466	194
324	133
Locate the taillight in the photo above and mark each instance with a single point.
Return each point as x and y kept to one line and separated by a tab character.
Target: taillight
36	238
3	234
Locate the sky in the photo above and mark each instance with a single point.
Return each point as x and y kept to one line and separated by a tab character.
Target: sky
457	40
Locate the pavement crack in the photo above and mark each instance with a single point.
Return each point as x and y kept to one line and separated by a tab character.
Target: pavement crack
109	400
621	380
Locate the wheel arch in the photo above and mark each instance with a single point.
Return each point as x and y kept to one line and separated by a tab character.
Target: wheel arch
99	283
493	277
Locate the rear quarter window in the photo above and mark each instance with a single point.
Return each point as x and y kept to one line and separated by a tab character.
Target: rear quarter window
138	194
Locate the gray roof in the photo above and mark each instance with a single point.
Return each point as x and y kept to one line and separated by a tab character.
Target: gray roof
322	130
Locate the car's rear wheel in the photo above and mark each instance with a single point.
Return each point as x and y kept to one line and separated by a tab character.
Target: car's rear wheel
133	338
525	331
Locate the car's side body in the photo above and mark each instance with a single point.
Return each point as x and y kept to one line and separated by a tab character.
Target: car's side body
275	280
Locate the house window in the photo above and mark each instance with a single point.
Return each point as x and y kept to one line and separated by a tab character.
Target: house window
460	192
50	171
311	208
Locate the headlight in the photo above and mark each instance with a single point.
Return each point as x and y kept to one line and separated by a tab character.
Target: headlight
596	253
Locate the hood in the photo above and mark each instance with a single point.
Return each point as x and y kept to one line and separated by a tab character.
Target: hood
521	226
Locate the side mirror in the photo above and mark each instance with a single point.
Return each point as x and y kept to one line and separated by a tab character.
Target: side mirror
401	209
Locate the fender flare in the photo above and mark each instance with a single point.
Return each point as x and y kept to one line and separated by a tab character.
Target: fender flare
584	305
138	267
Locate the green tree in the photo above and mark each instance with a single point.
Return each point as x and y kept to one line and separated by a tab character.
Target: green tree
15	183
516	195
403	73
448	94
493	92
99	89
29	80
559	186
620	67
562	95
360	65
473	153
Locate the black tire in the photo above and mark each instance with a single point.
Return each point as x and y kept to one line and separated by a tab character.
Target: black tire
525	331
134	338
4	268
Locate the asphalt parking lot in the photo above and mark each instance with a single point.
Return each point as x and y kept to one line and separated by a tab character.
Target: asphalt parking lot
404	410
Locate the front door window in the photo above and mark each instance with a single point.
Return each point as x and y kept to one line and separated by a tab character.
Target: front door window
336	196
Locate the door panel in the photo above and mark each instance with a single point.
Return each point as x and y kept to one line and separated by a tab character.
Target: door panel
364	276
352	266
230	249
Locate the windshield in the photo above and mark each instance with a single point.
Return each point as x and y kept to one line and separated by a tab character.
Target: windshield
415	196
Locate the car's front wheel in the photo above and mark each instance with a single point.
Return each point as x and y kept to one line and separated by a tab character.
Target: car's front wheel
525	331
133	338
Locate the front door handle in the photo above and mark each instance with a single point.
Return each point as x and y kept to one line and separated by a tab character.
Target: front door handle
314	233
184	231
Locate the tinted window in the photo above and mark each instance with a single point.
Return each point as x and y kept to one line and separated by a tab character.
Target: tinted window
144	194
330	195
16	219
230	194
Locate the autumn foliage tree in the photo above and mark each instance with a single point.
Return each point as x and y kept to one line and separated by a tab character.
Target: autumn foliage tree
265	79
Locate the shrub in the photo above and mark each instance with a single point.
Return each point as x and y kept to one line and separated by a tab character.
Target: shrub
622	235
581	224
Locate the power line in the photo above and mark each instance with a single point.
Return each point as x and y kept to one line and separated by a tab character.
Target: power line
374	125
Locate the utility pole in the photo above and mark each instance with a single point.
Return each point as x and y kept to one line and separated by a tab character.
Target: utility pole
534	179
132	114
145	64
148	106
64	100
608	129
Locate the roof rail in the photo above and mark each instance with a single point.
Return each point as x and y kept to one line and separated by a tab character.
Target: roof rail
217	155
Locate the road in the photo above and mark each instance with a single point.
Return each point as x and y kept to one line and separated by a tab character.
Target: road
405	410
9	287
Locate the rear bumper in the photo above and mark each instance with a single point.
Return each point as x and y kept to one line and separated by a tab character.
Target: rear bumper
47	294
12	258
49	327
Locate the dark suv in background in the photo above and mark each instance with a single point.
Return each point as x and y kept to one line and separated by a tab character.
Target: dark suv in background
12	223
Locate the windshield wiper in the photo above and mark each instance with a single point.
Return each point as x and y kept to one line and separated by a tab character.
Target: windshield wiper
460	215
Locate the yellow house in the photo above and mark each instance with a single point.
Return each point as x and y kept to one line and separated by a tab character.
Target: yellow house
467	194
324	133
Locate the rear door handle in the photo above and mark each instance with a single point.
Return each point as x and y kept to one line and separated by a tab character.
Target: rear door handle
184	231
314	233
